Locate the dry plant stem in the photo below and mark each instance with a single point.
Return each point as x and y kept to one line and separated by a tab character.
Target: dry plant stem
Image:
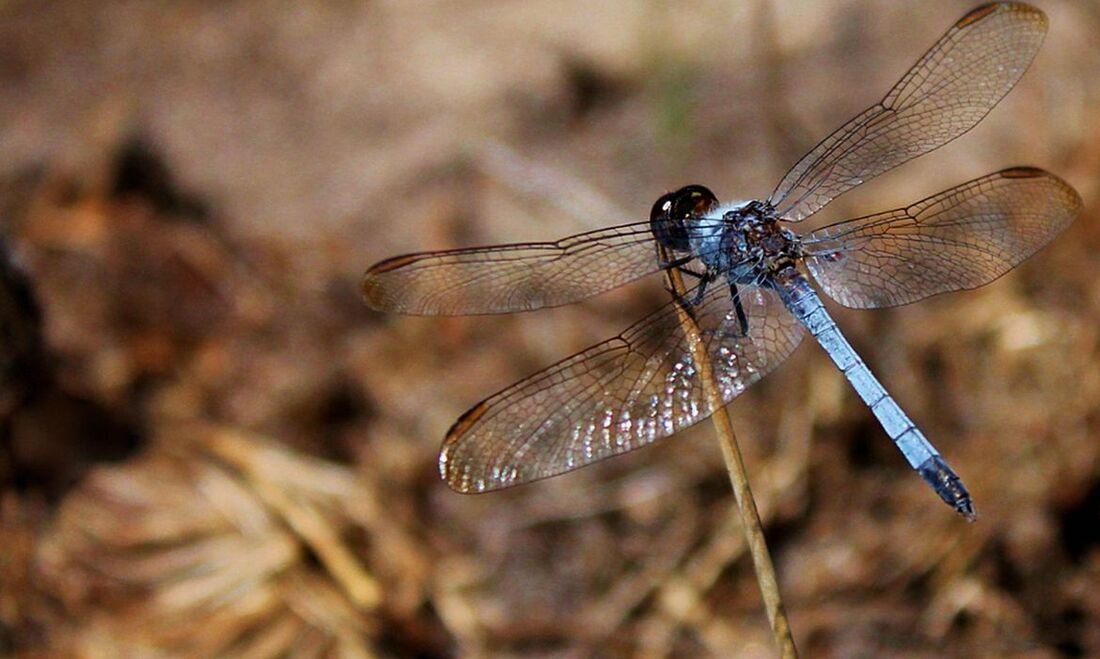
340	562
746	505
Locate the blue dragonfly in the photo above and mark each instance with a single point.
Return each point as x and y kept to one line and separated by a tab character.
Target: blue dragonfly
750	298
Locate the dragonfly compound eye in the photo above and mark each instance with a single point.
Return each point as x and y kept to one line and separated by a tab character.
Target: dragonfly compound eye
670	218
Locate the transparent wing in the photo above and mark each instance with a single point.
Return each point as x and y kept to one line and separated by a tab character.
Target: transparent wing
960	238
517	277
945	94
506	278
618	395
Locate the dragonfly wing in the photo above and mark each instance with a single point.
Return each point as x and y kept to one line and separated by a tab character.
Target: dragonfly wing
960	238
618	395
946	93
507	278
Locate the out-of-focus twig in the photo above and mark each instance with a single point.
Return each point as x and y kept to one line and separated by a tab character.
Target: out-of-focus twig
203	546
316	532
746	505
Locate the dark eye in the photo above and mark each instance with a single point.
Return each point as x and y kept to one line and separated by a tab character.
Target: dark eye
672	213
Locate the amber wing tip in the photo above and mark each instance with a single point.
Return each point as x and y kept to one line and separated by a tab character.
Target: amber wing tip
369	289
978	13
372	285
464	423
1023	172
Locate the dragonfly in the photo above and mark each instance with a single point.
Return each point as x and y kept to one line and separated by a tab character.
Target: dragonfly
750	297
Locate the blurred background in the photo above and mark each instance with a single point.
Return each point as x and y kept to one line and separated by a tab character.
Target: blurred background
211	447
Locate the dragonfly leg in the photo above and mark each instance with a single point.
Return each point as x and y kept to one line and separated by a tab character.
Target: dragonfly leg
742	319
696	275
704	279
685	302
742	329
675	263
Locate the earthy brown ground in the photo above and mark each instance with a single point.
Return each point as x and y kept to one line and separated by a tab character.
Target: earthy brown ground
210	446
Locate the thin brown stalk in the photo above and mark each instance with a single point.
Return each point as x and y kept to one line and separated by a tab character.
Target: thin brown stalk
746	505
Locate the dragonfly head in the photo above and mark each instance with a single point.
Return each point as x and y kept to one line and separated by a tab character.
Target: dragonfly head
673	214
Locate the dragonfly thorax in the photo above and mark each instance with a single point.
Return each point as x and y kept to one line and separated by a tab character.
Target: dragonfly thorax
767	244
742	241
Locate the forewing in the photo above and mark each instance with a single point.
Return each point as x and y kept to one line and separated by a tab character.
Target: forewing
618	395
507	278
945	94
960	238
